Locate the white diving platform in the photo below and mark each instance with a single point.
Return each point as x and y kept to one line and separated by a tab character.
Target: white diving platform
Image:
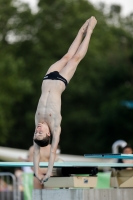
84	174
65	164
110	156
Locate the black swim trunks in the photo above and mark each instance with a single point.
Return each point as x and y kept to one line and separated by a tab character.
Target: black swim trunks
55	76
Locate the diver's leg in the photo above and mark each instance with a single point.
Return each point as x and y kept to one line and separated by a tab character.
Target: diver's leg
58	66
68	71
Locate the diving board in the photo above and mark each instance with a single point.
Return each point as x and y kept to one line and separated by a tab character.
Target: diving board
70	177
66	164
109	155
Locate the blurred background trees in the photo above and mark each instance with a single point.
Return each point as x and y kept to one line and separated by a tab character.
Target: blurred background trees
93	116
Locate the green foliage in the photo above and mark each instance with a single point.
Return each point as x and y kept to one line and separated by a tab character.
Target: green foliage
93	117
13	87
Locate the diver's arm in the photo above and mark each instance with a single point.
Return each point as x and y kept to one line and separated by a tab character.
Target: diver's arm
36	159
55	141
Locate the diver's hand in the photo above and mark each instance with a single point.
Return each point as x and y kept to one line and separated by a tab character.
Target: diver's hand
44	179
39	176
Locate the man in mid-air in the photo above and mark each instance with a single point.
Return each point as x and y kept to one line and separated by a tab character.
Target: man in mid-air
48	115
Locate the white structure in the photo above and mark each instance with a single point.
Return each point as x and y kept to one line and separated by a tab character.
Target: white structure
117	144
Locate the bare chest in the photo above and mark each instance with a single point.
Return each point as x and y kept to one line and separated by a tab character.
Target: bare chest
50	115
44	155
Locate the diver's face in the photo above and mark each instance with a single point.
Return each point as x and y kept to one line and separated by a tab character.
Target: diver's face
41	131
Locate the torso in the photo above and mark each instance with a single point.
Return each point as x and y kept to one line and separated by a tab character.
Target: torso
44	156
49	105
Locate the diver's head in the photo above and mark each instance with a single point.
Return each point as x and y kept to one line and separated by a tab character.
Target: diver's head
42	135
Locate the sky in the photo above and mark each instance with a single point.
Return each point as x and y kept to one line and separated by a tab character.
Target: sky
127	5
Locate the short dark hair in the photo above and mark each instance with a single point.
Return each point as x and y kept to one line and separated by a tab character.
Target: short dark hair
44	142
